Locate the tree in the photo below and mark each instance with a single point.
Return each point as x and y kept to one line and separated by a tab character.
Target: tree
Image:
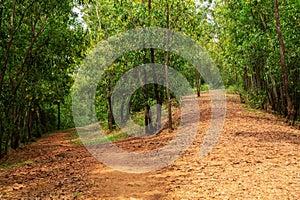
113	17
252	41
40	45
290	106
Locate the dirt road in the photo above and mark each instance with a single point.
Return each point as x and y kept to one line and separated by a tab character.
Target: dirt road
257	157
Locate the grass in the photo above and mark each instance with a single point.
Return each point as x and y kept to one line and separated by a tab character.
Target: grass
109	138
249	109
253	110
75	140
77	195
5	166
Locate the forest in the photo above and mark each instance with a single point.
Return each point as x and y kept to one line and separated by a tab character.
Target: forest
255	45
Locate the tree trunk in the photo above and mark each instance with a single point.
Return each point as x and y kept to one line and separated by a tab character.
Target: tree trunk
283	107
1	136
168	92
24	135
166	70
37	123
111	120
7	53
275	93
58	115
198	83
147	111
157	125
147	114
29	124
290	106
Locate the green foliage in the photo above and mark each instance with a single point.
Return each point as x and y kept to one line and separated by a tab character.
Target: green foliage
232	89
248	47
112	137
41	44
106	18
257	99
66	114
204	87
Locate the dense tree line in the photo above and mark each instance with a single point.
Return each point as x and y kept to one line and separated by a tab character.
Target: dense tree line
107	18
44	42
258	42
41	43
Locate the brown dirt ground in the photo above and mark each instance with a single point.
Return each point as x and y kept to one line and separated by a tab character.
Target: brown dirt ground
257	157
